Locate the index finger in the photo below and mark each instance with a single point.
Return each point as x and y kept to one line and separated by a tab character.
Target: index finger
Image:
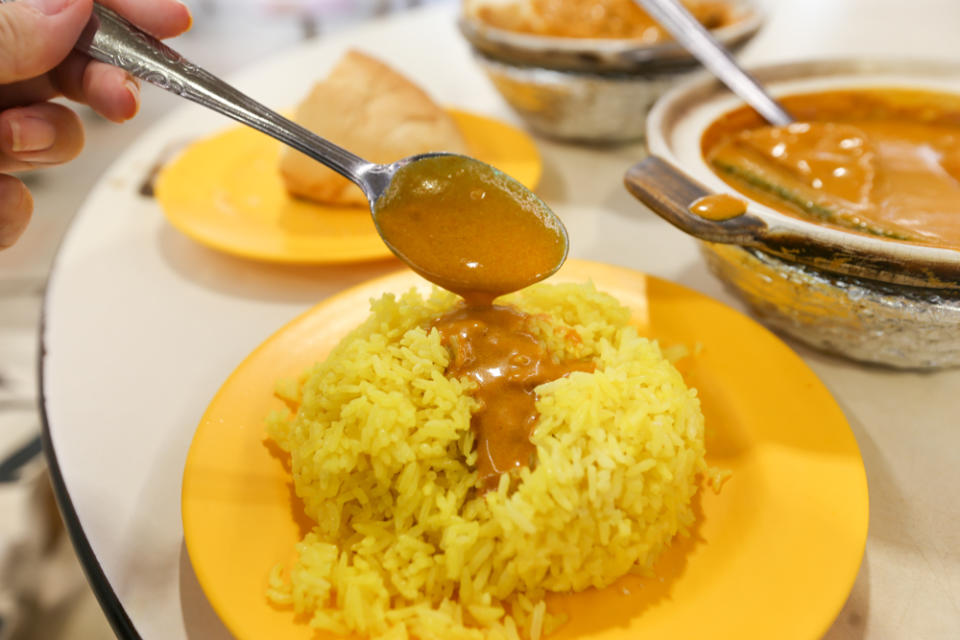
36	36
162	18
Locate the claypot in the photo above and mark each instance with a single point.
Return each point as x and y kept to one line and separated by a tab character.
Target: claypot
588	89
866	297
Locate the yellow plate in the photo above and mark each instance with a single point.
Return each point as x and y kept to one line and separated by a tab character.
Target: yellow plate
774	555
226	192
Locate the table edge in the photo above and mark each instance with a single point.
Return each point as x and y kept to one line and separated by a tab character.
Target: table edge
109	602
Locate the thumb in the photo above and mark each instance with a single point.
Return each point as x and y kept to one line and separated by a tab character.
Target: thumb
36	35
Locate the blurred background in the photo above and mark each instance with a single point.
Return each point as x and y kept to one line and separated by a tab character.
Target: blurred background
43	593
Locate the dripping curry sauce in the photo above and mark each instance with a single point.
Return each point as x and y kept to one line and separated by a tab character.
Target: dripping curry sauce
884	161
473	231
496	348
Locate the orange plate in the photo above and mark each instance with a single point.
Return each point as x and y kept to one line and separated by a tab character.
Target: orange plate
774	555
226	192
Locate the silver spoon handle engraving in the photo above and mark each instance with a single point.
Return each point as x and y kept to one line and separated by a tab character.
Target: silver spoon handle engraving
112	39
697	40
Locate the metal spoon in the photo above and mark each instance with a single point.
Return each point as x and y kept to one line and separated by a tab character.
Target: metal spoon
112	39
696	39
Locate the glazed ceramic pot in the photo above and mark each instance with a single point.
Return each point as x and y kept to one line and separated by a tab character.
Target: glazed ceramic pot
866	297
588	89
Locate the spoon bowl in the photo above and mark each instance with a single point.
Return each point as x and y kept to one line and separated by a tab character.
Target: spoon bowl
468	259
468	227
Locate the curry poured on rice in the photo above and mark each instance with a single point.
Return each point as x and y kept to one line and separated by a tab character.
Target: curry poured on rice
460	458
408	544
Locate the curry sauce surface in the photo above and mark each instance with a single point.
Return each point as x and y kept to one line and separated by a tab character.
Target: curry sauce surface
468	228
718	206
884	161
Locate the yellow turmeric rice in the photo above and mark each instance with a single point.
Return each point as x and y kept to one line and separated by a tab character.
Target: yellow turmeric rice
382	455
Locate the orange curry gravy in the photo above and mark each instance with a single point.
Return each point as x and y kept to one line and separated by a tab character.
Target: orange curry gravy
595	18
468	229
494	346
883	161
718	206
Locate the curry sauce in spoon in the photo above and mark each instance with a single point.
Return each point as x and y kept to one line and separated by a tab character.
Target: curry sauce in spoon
475	231
469	228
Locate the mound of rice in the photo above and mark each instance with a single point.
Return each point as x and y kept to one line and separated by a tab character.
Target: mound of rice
382	457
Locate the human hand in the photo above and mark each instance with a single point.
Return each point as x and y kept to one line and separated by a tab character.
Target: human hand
37	63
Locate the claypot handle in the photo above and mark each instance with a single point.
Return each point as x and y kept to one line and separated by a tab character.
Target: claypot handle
669	193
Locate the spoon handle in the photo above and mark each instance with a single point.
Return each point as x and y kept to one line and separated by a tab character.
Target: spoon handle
695	38
112	39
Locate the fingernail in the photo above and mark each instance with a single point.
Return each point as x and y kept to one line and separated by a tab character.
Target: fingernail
189	15
134	88
16	205
48	7
31	134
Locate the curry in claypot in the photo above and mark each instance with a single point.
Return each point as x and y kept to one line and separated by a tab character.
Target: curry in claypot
882	161
619	19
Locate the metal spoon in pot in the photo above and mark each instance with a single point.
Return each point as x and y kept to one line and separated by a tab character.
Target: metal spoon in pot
696	39
457	221
673	195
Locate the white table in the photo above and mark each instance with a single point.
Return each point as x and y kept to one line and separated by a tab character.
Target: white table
142	325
